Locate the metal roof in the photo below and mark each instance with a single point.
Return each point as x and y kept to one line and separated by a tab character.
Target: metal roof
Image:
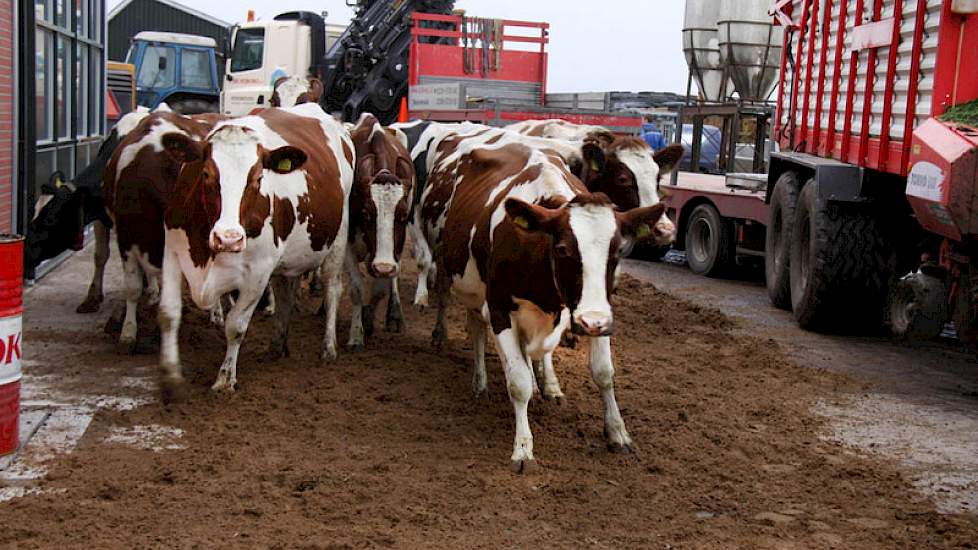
177	6
176	38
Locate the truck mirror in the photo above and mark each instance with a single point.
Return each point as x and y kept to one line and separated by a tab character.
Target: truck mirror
162	64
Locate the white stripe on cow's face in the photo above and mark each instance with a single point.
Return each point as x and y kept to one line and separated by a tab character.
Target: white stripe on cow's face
594	227
385	198
290	90
235	152
642	164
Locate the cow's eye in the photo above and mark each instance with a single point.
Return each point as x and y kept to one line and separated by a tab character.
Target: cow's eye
205	175
562	251
623	180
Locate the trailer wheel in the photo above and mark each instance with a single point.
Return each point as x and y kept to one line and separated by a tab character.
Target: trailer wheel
777	240
840	263
917	308
709	242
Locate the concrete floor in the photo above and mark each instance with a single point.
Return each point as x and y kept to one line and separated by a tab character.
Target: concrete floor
917	404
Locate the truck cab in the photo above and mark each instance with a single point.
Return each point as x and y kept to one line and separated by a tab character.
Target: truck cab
179	69
262	52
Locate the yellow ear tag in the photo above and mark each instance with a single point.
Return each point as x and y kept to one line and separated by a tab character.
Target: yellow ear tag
285	165
643	231
58	183
520	221
595	167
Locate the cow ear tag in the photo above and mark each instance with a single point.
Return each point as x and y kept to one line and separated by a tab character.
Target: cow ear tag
595	167
520	221
285	165
643	231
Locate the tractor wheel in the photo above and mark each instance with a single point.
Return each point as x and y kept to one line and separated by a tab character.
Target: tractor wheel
778	240
709	242
840	263
917	308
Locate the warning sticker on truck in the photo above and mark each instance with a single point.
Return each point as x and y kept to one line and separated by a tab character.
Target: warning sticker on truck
926	181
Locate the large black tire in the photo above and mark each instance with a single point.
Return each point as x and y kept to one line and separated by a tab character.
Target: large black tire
777	241
841	263
710	246
963	312
917	308
193	106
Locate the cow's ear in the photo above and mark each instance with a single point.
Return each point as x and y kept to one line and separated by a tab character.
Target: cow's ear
284	160
530	217
181	148
668	158
639	223
594	162
366	167
404	170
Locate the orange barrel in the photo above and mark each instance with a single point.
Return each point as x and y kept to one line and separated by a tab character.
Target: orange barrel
11	329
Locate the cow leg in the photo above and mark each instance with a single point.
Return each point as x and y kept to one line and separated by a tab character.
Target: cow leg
133	281
171	304
217	312
334	289
422	255
377	293
551	386
153	289
476	327
439	335
235	327
355	342
268	297
94	299
519	383
395	315
284	288
603	373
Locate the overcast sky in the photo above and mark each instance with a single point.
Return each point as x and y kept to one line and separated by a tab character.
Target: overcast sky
631	45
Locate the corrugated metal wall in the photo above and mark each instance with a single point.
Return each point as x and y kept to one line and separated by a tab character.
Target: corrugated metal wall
149	15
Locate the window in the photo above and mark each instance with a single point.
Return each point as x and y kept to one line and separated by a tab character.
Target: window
42	94
249	47
96	93
81	17
63	13
81	87
62	90
42	10
158	69
195	69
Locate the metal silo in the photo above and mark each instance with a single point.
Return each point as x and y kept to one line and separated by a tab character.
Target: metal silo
702	48
749	45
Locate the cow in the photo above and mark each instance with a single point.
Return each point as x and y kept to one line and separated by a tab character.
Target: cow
263	198
379	208
529	252
290	91
558	129
136	190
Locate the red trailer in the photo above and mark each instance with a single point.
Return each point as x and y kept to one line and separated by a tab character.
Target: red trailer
492	71
868	161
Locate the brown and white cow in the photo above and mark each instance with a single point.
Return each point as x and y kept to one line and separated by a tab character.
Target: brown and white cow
290	91
263	198
379	208
527	250
136	190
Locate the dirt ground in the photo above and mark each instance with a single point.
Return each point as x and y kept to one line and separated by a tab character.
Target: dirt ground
386	448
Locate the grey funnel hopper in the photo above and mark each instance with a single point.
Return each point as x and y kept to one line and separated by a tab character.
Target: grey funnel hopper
750	45
702	48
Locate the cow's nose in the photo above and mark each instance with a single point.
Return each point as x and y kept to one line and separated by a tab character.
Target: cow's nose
664	233
384	269
228	240
594	323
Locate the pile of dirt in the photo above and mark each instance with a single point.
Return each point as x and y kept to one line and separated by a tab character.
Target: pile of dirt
387	449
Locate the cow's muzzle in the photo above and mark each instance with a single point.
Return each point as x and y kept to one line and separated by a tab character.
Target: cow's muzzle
664	233
228	240
383	270
592	324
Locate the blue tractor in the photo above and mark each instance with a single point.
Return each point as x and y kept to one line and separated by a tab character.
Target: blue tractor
179	69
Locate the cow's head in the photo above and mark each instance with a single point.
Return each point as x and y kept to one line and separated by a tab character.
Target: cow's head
628	172
586	240
58	223
221	181
289	91
381	197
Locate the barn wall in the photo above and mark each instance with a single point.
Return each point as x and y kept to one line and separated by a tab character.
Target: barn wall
149	15
7	128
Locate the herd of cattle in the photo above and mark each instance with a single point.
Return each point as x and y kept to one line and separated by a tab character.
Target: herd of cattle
523	225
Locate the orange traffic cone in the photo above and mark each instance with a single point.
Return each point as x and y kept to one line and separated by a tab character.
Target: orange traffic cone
402	116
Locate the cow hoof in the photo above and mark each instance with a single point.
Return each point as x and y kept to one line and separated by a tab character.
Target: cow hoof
327	357
128	346
224	386
90	305
355	348
620	445
525	466
438	339
394	326
481	395
568	340
557	398
273	355
172	389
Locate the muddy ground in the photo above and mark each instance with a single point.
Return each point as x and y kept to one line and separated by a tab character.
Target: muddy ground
387	449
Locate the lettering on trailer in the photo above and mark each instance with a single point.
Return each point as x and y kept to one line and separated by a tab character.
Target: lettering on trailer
438	97
11	330
926	182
